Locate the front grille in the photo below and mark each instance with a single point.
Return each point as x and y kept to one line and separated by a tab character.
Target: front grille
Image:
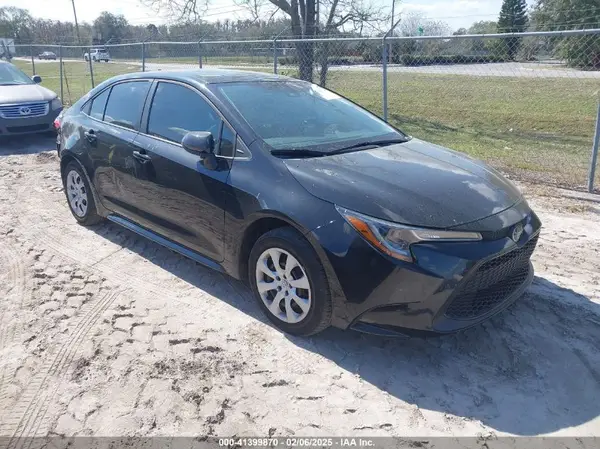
24	110
28	129
492	282
501	233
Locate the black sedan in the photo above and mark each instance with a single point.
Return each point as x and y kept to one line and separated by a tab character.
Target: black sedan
47	55
331	215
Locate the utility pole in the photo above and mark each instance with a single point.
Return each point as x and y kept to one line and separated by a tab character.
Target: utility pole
392	26
76	24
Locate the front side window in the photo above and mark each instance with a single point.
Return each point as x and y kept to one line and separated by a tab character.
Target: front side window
125	103
11	76
302	115
227	142
177	110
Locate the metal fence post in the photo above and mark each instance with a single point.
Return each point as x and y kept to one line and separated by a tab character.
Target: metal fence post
594	157
60	72
32	58
384	66
143	56
384	73
275	56
200	54
91	66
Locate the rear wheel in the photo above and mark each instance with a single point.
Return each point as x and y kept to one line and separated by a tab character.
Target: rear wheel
79	195
290	283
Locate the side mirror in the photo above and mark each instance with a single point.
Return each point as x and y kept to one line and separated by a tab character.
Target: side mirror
36	79
203	144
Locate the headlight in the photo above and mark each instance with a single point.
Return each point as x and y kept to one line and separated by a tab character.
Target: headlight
395	239
56	103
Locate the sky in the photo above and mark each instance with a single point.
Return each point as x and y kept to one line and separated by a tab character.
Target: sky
457	13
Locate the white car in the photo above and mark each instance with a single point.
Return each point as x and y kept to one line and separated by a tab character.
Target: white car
97	54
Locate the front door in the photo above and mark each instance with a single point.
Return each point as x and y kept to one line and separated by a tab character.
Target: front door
184	199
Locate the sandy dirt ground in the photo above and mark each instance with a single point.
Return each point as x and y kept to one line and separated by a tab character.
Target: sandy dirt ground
104	333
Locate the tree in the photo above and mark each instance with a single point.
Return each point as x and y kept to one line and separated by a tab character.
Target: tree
482	27
552	15
108	26
513	19
15	23
334	15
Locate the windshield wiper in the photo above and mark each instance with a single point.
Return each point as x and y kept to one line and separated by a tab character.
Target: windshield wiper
367	145
288	152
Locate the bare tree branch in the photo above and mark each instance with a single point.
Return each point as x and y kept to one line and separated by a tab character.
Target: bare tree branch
179	10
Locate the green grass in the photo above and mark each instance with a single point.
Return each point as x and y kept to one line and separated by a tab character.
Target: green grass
537	128
214	60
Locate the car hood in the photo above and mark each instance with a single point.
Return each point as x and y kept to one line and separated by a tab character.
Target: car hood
415	183
25	94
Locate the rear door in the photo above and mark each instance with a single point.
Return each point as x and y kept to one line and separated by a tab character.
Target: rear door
186	200
110	129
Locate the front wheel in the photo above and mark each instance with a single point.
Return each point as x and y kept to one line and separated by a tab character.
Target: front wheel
79	195
289	282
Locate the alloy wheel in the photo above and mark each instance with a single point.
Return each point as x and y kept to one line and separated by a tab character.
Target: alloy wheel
77	194
283	285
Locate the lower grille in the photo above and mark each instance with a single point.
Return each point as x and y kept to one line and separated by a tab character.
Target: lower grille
493	282
27	129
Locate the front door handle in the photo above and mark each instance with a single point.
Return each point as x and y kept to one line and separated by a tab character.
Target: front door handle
142	157
90	135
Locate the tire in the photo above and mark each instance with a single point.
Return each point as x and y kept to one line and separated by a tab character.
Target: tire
315	315
86	214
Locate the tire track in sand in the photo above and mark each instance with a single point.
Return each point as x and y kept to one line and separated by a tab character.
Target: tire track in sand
13	290
28	417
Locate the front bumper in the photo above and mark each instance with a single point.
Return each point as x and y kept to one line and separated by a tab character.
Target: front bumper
30	125
449	287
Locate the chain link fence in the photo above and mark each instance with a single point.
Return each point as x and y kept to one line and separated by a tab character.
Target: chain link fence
525	103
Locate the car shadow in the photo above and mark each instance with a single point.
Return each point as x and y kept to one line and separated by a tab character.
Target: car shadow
27	144
535	368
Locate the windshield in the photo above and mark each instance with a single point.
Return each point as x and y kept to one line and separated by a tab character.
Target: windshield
298	115
10	75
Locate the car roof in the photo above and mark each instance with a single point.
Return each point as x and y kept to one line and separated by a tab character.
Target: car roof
208	76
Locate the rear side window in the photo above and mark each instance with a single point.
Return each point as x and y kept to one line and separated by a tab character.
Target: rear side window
98	105
125	103
177	110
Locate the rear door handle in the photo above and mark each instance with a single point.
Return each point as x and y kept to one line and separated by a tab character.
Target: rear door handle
142	157
90	136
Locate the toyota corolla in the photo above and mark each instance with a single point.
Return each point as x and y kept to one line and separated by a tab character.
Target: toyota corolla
331	215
